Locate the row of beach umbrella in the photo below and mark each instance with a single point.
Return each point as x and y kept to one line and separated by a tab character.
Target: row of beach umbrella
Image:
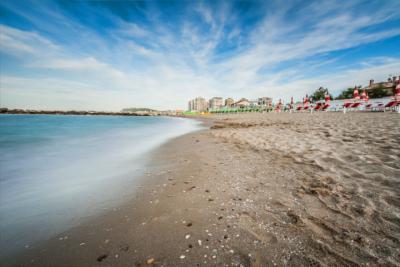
355	102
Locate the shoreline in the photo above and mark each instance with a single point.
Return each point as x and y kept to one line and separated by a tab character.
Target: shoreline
121	161
252	190
135	205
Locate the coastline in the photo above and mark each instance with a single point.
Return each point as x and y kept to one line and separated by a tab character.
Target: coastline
253	190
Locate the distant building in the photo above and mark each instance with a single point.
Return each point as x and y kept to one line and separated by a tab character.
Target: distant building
253	103
265	102
215	103
197	104
388	86
243	102
229	102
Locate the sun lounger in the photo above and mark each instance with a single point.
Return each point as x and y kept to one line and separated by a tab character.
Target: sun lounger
347	105
355	105
378	106
325	107
318	106
391	104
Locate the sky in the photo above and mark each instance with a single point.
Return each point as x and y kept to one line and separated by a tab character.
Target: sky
109	55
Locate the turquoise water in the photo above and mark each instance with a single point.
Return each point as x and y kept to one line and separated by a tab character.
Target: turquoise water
57	170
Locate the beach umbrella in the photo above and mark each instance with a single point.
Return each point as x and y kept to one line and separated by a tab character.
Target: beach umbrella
291	103
397	93
356	95
327	97
306	101
278	106
364	95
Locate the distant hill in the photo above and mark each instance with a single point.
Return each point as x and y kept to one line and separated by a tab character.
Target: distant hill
138	110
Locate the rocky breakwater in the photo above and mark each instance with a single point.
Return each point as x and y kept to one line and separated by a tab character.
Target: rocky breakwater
75	112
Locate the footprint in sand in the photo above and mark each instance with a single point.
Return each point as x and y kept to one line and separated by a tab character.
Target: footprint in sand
248	224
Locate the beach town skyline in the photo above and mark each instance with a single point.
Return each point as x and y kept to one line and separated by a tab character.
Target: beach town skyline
374	90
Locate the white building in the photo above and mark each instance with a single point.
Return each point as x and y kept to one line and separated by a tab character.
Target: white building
216	103
197	104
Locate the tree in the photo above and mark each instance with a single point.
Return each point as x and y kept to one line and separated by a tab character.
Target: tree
319	94
378	92
373	93
346	94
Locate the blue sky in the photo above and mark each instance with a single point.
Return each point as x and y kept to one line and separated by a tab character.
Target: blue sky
107	55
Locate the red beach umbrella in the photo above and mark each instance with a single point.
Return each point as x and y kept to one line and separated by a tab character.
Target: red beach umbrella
327	97
291	103
356	96
305	102
397	94
364	95
278	106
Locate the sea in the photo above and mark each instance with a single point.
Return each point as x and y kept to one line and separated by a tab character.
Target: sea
57	170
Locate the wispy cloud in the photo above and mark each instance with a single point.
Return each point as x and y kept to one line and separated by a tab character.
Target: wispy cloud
160	55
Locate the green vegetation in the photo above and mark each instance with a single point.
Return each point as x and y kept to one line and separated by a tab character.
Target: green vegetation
346	94
190	113
374	93
319	94
239	110
378	92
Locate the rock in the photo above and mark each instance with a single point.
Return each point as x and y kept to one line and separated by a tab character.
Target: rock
150	261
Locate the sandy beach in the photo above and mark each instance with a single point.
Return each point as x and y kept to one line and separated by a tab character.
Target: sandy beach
253	189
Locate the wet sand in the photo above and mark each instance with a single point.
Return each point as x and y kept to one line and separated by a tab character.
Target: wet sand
254	190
